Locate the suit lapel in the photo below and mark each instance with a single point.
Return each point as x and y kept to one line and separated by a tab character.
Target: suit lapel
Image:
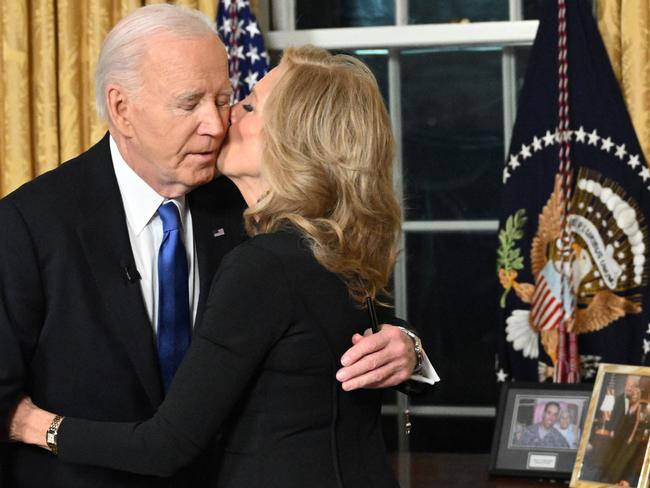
106	244
217	222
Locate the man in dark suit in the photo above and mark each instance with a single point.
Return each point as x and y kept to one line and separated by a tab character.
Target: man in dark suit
623	459
79	283
622	404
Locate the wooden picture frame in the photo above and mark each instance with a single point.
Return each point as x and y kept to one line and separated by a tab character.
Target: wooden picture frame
614	448
522	446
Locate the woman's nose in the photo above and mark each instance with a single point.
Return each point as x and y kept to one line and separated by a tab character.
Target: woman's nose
235	113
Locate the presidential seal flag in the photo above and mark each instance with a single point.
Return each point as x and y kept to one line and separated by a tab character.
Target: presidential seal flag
248	61
572	258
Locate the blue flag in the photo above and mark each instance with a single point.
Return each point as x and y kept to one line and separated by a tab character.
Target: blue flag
608	214
248	62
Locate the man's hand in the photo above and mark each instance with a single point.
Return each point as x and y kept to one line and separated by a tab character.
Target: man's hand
379	360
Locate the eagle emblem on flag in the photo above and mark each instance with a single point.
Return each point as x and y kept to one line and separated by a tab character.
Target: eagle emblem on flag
607	258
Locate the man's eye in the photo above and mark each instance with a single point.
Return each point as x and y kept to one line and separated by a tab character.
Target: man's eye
248	107
188	107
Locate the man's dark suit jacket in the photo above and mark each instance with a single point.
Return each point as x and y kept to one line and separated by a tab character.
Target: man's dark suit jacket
74	332
618	413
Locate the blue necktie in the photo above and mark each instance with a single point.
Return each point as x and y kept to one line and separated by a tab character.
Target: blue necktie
174	329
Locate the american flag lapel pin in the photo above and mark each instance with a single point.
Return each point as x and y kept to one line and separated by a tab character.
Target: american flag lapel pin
218	232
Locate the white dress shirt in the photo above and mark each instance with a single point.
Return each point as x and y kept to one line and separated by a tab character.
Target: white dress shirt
141	205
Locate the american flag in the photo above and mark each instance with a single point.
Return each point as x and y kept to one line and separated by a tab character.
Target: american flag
547	307
248	61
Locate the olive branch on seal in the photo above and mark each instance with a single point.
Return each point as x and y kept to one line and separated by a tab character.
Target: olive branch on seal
509	258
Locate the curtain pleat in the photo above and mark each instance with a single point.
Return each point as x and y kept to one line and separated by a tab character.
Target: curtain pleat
16	162
43	82
69	51
49	50
625	28
2	98
101	17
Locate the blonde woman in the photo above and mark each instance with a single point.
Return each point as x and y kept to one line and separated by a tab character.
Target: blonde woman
311	151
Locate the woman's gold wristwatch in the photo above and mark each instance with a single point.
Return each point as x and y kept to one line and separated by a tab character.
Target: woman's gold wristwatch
52	433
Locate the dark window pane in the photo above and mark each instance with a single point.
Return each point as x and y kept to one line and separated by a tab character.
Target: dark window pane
533	8
443	11
274	58
452	129
318	14
452	302
522	53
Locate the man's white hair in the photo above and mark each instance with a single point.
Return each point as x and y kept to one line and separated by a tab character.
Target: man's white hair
126	44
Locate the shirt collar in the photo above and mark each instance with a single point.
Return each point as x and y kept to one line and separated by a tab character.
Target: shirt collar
140	201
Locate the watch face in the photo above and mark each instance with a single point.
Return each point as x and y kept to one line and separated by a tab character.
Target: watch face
51	438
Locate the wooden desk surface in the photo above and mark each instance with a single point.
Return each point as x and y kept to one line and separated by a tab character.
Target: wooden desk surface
437	470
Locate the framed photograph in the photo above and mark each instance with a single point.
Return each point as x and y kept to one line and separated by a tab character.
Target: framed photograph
538	429
614	449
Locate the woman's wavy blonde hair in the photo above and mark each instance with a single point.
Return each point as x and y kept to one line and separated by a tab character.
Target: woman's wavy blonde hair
328	158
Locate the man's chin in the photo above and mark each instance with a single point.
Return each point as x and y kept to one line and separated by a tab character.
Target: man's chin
207	177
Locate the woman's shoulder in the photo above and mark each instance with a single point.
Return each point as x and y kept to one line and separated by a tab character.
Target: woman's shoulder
285	243
269	251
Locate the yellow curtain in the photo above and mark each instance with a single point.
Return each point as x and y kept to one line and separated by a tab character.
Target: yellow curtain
625	28
48	53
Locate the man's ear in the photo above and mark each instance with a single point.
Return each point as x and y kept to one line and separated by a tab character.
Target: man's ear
120	109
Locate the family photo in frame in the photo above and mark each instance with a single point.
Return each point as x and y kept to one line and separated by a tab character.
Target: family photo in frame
538	429
614	449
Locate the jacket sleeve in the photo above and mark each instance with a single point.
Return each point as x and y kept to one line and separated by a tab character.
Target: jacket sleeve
248	310
21	307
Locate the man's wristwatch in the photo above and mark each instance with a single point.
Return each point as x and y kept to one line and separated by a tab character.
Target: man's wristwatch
52	433
417	345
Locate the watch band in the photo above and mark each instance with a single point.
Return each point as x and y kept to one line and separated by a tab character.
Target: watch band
419	355
52	433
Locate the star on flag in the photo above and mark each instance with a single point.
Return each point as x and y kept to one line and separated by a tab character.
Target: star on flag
253	30
549	139
644	173
514	162
633	161
607	144
251	79
501	375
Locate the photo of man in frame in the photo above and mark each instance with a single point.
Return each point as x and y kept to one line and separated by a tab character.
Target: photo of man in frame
619	435
546	423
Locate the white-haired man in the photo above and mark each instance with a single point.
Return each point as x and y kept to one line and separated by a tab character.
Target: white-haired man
80	304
